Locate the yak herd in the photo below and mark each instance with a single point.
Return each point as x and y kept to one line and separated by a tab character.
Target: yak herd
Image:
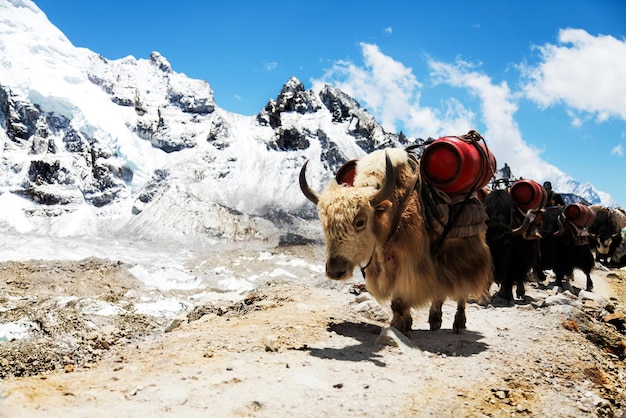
553	239
423	229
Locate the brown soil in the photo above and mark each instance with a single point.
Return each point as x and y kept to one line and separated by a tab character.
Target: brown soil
307	350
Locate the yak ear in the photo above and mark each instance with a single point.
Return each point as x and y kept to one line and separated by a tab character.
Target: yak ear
383	206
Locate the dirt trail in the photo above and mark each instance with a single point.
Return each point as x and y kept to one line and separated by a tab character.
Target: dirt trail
290	349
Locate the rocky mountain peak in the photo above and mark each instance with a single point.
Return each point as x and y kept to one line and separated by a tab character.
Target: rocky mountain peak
160	62
342	106
157	98
91	138
292	98
368	133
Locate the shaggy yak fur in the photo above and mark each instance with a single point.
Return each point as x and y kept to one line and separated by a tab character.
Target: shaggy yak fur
513	242
606	232
359	224
563	248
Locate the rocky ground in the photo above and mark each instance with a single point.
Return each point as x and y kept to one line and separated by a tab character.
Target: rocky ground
312	349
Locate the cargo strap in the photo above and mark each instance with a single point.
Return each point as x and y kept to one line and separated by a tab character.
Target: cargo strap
429	200
451	223
579	236
432	215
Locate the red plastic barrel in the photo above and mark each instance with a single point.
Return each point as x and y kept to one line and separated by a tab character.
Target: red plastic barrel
528	194
454	165
580	215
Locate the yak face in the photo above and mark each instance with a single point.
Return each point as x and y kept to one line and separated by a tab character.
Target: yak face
349	217
604	245
552	225
605	233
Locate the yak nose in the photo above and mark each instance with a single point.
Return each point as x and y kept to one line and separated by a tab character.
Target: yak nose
338	268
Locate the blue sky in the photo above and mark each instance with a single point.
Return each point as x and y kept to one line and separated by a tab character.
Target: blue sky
539	79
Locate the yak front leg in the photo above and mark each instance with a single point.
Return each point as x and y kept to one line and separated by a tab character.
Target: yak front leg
559	279
589	282
520	290
434	315
459	317
402	319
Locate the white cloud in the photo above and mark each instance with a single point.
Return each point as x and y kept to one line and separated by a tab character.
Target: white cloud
618	150
388	30
269	66
498	107
391	92
576	120
585	72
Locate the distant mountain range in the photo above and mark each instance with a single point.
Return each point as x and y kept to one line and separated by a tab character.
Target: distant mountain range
129	146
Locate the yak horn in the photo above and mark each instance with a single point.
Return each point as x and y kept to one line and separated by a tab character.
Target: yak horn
389	184
561	229
304	186
530	217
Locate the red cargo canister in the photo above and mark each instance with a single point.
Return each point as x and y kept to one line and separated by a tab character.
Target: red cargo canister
455	165
580	215
528	194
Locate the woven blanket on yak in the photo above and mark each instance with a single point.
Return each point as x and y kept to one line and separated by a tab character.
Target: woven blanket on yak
467	216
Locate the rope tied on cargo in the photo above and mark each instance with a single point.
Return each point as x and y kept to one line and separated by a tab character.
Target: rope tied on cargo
461	221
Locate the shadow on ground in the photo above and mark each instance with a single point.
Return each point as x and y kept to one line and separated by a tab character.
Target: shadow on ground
444	341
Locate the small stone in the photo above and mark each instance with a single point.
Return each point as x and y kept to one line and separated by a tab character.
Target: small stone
176	323
103	343
364	297
90	336
616	318
272	345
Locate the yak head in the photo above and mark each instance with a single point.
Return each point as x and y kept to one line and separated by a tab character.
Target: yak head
352	218
553	222
605	232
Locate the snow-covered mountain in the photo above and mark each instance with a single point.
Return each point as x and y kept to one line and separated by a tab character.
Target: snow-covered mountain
91	146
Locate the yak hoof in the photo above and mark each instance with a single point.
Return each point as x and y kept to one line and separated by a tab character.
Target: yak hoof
435	325
459	323
402	323
458	329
